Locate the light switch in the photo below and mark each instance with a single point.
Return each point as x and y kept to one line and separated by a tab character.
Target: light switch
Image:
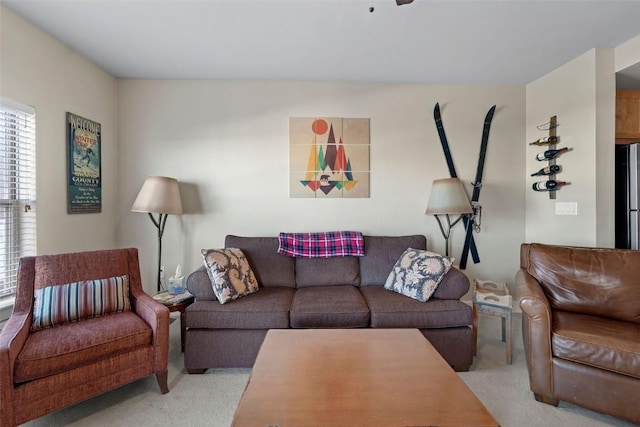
566	208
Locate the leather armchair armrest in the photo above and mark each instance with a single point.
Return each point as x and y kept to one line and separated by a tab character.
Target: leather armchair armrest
12	339
536	333
157	316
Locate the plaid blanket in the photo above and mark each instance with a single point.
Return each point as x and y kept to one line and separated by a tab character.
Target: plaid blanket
321	245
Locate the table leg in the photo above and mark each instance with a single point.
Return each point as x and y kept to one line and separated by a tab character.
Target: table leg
475	329
508	340
182	330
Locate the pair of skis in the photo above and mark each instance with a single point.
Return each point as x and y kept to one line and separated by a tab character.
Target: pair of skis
469	220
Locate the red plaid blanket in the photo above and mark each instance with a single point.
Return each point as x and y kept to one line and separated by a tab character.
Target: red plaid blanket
321	245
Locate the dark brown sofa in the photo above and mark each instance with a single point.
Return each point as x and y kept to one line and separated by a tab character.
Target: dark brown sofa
342	292
581	326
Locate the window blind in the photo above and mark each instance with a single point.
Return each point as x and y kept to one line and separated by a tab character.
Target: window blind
17	190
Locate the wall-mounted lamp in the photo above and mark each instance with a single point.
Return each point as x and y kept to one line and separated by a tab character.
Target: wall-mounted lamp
448	198
160	195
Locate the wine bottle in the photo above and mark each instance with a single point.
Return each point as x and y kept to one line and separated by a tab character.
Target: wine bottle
546	140
549	185
549	170
551	154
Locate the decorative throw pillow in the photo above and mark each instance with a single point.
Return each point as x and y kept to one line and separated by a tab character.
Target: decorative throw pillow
230	273
58	304
417	274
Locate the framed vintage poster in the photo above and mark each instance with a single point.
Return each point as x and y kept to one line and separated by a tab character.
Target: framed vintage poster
84	180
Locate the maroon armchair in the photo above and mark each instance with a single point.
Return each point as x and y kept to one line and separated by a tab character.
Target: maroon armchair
44	368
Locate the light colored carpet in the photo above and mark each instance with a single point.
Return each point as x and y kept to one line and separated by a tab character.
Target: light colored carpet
211	399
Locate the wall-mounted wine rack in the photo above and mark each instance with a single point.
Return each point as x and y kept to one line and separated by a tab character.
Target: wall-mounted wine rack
551	185
553	124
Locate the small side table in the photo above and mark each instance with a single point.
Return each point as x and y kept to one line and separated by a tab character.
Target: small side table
492	298
176	303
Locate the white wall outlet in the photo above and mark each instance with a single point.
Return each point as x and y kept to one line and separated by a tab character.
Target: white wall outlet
566	208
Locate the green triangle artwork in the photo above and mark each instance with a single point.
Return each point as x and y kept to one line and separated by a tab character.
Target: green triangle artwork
328	157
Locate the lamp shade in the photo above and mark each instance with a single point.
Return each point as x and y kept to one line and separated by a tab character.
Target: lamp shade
159	194
448	197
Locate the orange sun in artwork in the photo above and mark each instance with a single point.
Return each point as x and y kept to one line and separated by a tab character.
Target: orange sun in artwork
319	127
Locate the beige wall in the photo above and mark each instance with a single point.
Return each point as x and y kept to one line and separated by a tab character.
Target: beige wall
582	96
227	143
605	82
37	70
627	54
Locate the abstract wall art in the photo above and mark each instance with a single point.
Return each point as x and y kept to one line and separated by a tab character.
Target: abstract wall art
328	157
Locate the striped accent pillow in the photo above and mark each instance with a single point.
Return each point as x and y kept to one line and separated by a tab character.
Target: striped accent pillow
55	305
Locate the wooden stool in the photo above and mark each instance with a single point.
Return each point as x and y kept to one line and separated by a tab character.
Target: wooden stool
492	298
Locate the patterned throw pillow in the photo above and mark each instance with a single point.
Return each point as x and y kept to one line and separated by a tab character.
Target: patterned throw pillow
417	274
230	273
55	305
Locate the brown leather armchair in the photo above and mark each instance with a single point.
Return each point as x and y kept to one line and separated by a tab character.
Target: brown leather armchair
581	326
47	369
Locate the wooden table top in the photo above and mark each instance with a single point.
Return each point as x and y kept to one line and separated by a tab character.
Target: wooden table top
355	377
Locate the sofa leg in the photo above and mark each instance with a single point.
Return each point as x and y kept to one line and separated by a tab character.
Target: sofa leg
196	371
548	400
162	381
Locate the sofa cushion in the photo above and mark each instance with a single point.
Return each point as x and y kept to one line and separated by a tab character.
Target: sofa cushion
329	307
417	273
381	254
594	281
53	350
230	273
59	304
266	309
327	271
270	268
599	342
391	310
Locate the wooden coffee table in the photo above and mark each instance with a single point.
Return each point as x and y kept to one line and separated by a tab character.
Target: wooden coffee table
355	377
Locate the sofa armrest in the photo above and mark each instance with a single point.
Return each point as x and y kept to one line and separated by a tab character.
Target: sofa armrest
12	339
157	317
199	284
454	285
536	333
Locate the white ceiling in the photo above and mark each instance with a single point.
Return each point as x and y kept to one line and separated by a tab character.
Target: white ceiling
427	41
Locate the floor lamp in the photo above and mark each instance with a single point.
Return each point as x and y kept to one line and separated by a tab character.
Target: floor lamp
159	195
448	198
